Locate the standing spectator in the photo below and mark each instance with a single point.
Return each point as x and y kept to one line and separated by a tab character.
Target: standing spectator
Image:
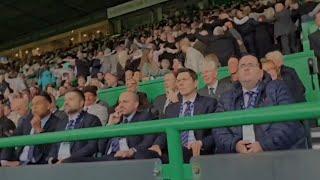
314	38
264	37
246	27
194	59
284	29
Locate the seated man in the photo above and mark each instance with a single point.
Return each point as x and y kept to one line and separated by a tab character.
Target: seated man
288	75
77	119
126	147
256	90
40	121
92	106
161	102
210	71
194	142
132	86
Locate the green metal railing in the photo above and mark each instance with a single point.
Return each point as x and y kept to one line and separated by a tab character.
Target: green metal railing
173	127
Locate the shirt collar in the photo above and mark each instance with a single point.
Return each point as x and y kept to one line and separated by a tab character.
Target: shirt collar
45	120
73	116
215	85
255	89
129	118
191	100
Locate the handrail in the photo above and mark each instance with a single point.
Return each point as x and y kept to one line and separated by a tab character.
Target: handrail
172	127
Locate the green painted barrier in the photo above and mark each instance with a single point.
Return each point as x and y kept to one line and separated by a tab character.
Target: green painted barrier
176	170
155	88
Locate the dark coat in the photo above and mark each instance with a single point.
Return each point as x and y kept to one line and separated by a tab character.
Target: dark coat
141	142
264	39
78	148
314	40
40	152
277	136
202	105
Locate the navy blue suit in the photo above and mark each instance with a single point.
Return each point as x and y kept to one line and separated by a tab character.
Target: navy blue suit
202	105
78	149
40	152
140	142
277	136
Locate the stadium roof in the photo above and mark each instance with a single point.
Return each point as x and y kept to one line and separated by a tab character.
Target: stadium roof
22	18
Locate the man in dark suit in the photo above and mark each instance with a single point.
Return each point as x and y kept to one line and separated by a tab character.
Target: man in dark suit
161	102
126	147
194	142
77	119
257	90
210	71
314	38
40	121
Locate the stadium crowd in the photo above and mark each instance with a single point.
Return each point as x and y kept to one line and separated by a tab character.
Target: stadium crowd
251	39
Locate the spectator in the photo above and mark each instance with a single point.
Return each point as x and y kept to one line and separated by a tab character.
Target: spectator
289	76
46	78
171	96
194	59
132	86
41	120
6	125
3	84
264	37
230	26
178	63
210	71
91	105
314	38
269	67
194	142
65	152
252	92
284	29
81	82
111	80
246	27
229	81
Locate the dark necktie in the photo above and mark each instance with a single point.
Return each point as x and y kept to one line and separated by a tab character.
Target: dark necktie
211	92
185	134
252	99
70	125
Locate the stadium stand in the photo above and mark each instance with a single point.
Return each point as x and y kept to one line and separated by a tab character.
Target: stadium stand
224	91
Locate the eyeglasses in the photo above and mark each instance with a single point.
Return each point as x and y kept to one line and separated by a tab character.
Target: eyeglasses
249	65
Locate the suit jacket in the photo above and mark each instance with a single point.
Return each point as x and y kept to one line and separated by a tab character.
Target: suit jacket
158	106
141	142
202	105
275	136
221	88
78	148
292	80
40	152
314	39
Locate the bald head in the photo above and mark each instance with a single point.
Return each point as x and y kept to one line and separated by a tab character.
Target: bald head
128	103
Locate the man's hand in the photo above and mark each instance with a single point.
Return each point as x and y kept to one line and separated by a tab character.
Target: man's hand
196	147
241	146
124	154
156	148
114	118
254	147
36	124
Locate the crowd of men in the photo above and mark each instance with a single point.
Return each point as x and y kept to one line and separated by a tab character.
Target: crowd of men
250	39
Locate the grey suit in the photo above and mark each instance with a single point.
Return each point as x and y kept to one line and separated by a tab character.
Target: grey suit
314	39
224	85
